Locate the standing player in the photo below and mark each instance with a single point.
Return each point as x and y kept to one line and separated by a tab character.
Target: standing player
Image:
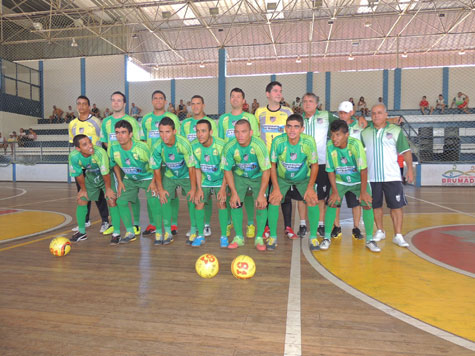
226	132
188	130
246	166
132	158
383	142
151	134
90	126
176	153
272	119
89	165
207	151
347	171
108	137
291	156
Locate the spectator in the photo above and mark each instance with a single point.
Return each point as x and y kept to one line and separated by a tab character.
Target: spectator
297	106
182	111
363	107
135	111
171	108
57	115
352	101
283	102
255	106
461	102
3	143
245	106
424	105
439	105
22	137
189	113
69	114
380	100
96	112
107	113
319	104
32	136
12	140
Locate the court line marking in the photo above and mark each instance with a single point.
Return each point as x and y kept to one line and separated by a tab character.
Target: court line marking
42	201
293	332
442	206
24	191
381	306
43	238
67	220
421	254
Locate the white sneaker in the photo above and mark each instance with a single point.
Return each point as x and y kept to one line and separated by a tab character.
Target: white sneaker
325	244
105	225
379	235
88	223
207	230
399	240
372	246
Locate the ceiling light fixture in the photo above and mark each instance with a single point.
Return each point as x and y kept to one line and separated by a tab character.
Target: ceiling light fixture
462	52
37	26
298	60
74	43
213	11
202	65
350	57
367	24
404	55
249	63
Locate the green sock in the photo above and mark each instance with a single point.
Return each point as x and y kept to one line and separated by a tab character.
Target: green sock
261	219
236	215
125	215
136	212
115	218
249	205
175	206
156	210
313	217
208	211
273	219
228	208
149	213
167	216
200	220
223	220
368	219
191	210
81	212
330	216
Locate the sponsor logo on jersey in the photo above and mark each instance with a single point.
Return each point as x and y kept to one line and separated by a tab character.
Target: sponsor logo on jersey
389	135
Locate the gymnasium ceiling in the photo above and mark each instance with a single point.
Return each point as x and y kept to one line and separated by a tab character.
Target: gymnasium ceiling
159	34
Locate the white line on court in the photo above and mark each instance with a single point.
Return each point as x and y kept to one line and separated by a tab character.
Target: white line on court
17	195
293	332
381	306
441	206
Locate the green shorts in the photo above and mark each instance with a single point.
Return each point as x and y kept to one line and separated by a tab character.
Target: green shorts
170	185
132	188
355	189
244	185
94	185
284	186
209	192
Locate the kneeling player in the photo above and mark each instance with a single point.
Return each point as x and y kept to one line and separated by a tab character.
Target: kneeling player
97	177
291	156
347	172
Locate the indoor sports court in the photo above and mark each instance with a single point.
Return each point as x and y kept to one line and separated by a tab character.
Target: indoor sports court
142	299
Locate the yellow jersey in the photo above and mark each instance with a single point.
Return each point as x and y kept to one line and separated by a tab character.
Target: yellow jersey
272	123
90	127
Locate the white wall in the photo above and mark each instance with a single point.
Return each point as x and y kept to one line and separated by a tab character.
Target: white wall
418	82
293	85
140	93
254	87
462	79
12	122
206	87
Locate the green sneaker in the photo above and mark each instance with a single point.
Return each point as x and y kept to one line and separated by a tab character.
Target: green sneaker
259	243
238	241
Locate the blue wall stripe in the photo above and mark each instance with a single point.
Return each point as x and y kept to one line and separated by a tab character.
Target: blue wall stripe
173	91
397	88
309	82
83	76
14	172
418	175
385	87
328	87
445	84
42	88
222	81
126	83
273	78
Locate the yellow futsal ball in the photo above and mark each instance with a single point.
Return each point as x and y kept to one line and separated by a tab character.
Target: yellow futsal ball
60	246
243	267
207	266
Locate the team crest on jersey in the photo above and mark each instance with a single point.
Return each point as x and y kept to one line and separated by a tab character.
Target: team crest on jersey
233	123
81	130
344	160
389	135
245	157
320	120
171	156
273	118
398	198
157	124
207	158
293	156
127	161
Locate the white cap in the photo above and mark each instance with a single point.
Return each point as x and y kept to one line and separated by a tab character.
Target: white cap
345	106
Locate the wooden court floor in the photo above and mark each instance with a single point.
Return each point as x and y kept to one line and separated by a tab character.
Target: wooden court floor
139	299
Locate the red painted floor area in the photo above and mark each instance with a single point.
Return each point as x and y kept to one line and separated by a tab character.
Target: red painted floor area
8	211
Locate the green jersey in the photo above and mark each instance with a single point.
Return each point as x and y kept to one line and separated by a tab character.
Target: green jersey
188	128
108	129
134	162
249	161
293	161
318	126
208	159
96	165
177	158
355	129
347	162
150	127
227	121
